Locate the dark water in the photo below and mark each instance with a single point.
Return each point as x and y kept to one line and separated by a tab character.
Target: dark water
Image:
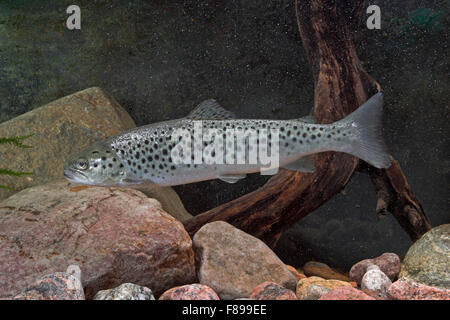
159	59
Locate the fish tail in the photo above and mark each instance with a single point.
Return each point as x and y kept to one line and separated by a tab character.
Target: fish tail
369	144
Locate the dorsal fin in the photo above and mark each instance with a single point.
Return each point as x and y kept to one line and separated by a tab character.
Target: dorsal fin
210	109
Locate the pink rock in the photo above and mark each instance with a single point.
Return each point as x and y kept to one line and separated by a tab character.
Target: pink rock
388	262
272	291
114	235
56	286
406	289
233	262
194	291
346	293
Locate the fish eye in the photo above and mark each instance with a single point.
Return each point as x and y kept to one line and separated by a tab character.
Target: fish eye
82	164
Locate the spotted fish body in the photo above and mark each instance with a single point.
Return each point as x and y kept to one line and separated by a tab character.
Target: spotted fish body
144	155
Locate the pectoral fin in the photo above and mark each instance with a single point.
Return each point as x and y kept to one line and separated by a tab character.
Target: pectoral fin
304	164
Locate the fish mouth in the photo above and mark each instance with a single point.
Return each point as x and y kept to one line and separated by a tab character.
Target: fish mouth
75	176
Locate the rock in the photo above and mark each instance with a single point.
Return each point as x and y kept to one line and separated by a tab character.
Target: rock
296	273
406	289
233	262
303	285
60	129
126	291
313	268
194	291
375	281
346	293
428	259
114	235
271	291
170	201
312	292
55	286
389	263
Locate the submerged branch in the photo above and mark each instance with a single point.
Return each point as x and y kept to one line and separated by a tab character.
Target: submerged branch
341	85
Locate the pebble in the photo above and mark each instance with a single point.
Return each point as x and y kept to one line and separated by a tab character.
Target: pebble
319	269
376	282
346	293
126	291
272	291
303	285
298	275
194	291
388	262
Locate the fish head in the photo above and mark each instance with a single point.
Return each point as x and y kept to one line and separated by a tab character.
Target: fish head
96	165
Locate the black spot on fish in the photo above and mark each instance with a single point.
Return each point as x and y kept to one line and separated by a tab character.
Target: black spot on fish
103	158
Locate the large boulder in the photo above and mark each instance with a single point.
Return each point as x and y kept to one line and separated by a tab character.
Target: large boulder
233	262
115	236
60	129
428	259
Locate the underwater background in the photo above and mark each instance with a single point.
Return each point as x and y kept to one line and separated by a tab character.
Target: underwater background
159	59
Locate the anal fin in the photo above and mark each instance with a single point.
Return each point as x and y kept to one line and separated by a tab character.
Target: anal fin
304	164
232	178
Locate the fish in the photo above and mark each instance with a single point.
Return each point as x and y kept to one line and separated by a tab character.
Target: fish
211	143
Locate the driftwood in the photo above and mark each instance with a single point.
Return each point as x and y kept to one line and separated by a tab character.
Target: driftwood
327	29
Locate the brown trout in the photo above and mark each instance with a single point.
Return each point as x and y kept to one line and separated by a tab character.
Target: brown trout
210	143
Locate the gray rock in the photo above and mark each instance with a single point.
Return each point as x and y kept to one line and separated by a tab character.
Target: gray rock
233	262
428	259
126	291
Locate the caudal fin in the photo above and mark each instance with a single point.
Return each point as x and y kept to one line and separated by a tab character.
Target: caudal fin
370	146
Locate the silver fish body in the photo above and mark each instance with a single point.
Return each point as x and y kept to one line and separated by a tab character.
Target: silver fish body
176	151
